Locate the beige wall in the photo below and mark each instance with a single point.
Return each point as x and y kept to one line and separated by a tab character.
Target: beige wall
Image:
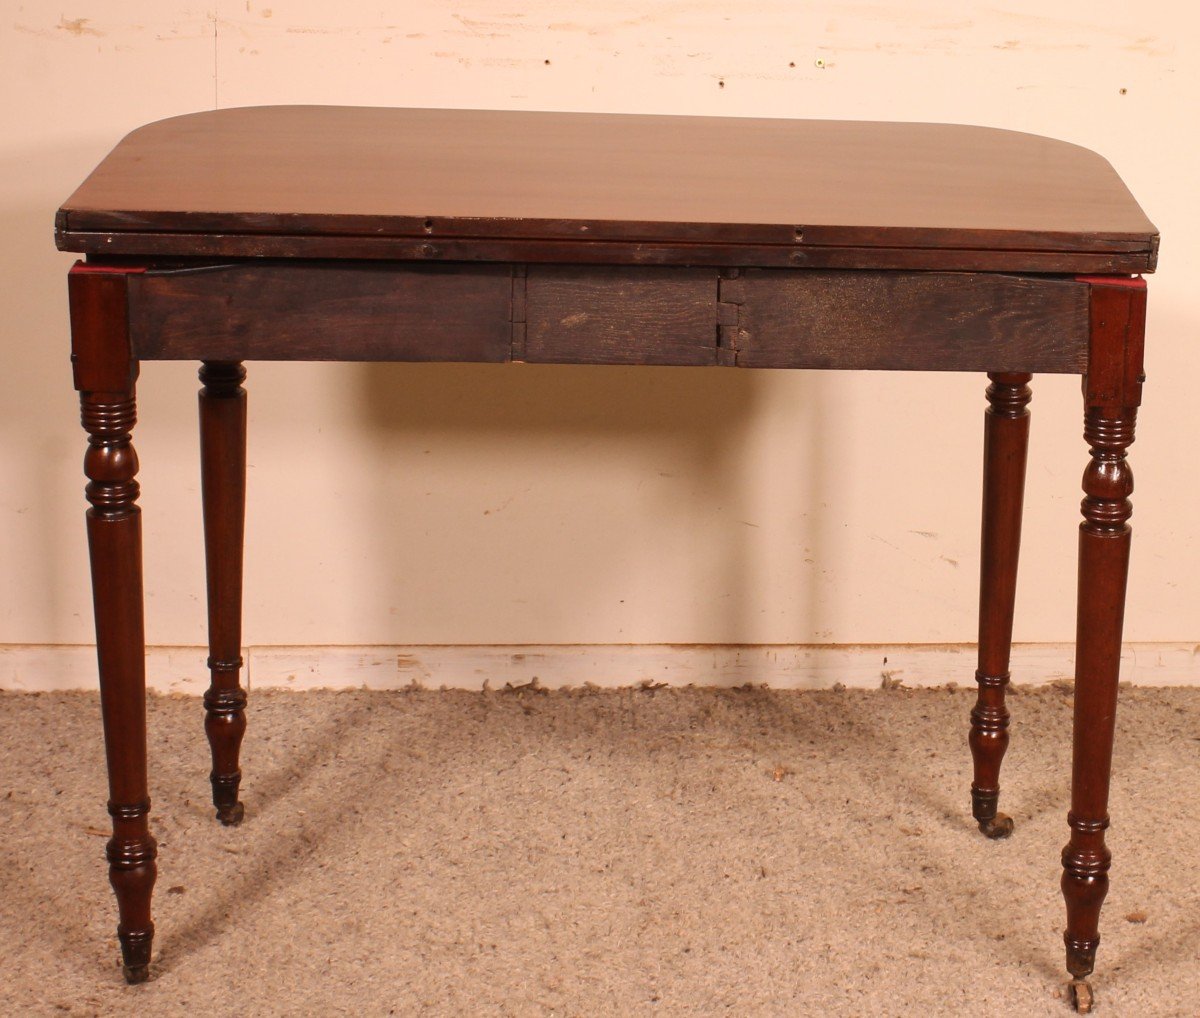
426	504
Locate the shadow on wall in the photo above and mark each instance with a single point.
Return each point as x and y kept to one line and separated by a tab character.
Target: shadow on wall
690	446
41	500
635	425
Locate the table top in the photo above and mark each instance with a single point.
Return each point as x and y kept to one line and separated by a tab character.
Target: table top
358	182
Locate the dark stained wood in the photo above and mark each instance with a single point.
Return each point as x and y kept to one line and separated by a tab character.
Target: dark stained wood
223	481
610	315
517	312
1005	446
618	315
102	359
313	233
1112	394
362	175
167	245
104	374
1117	316
908	321
324	312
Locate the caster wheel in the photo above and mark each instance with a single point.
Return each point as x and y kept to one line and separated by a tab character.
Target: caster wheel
1081	996
1000	826
135	974
231	816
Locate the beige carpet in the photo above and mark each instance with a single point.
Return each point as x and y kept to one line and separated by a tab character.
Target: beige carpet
668	852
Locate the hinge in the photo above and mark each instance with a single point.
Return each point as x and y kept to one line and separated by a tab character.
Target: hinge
517	313
730	291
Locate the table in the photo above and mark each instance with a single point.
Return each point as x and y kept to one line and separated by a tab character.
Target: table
327	233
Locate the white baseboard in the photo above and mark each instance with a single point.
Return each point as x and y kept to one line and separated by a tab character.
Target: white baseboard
182	669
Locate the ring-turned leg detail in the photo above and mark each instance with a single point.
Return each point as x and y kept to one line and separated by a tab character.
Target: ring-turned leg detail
114	542
132	871
223	481
1112	392
1006	440
989	742
1104	539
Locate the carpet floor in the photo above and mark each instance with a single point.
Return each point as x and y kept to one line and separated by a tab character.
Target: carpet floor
627	852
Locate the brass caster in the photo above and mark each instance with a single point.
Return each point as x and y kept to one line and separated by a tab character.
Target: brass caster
231	816
136	973
1081	996
999	826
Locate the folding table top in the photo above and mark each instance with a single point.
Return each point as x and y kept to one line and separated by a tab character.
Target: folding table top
359	182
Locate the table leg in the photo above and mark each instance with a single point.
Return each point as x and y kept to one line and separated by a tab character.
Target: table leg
1005	442
115	544
1103	569
223	480
104	374
1113	391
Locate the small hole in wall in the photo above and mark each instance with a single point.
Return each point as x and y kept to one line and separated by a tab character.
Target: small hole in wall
1124	91
546	62
429	226
720	84
791	63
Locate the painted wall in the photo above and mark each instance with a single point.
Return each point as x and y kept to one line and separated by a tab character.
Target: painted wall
481	504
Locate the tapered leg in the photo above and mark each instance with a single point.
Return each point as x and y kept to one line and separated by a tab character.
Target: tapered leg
223	479
105	371
1112	393
1005	441
1103	568
115	545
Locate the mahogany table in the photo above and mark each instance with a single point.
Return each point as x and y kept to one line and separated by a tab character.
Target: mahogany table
326	233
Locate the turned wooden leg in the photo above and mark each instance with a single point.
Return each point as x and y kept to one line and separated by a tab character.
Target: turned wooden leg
1103	568
115	544
105	371
1113	391
223	480
1005	441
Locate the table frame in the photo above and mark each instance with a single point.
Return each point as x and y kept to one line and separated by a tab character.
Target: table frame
224	312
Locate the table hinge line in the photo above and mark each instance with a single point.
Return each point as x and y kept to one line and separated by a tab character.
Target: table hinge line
730	296
516	315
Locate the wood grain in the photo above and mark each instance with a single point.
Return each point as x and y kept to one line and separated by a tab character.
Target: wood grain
222	181
105	374
909	321
617	315
378	248
954	321
223	491
1112	394
255	311
1005	452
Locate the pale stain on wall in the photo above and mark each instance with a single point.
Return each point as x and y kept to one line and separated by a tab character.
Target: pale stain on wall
1150	46
77	26
487	29
1043	47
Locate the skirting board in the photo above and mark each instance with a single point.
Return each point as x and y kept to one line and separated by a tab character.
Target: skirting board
784	666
